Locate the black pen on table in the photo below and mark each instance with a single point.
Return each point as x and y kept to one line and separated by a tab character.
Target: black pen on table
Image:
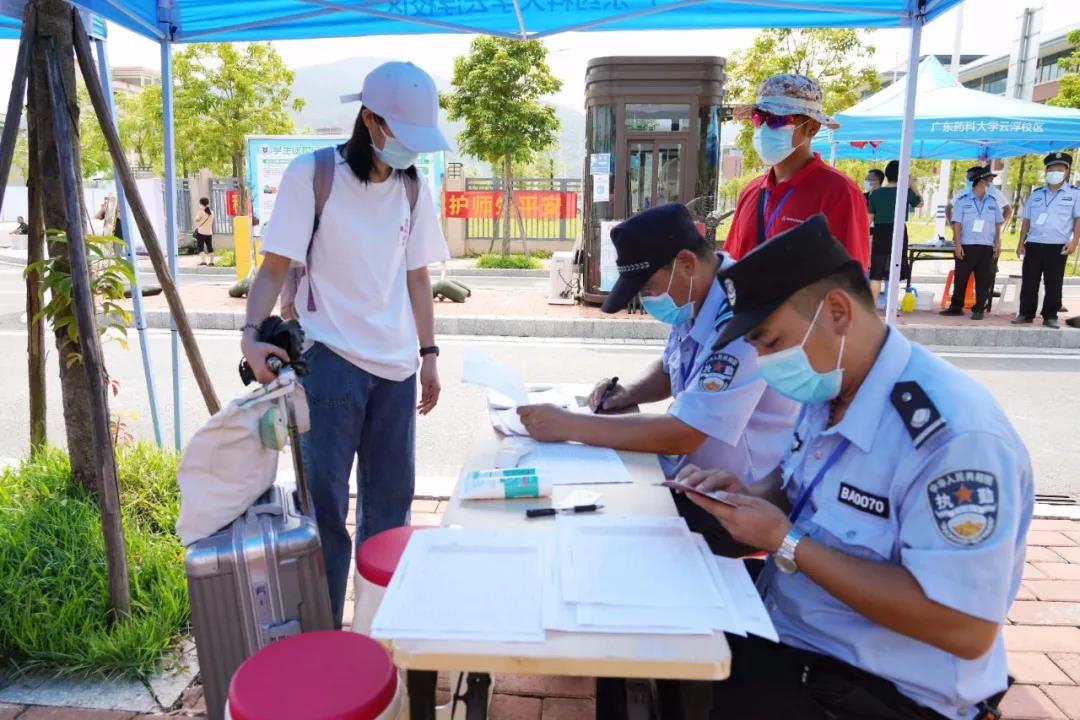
548	512
604	396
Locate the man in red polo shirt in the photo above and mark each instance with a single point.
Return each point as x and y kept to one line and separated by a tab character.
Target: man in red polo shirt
787	114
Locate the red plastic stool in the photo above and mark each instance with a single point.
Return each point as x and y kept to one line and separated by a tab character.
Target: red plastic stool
969	296
326	675
376	559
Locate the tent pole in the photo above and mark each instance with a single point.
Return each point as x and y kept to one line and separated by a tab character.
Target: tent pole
170	219
906	134
129	235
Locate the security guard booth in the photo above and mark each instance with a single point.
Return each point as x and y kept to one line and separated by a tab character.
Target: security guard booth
652	132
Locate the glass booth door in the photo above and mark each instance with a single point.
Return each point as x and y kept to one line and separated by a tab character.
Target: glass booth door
654	172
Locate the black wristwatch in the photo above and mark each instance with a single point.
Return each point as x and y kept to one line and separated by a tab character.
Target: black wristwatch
432	350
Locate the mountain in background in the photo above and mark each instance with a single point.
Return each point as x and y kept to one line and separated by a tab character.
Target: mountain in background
321	87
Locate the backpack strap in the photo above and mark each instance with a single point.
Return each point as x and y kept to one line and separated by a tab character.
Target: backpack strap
412	191
323	182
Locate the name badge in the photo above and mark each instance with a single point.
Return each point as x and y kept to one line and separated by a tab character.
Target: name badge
1041	220
978	226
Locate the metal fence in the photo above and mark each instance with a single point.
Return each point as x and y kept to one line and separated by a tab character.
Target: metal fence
184	214
219	206
535	229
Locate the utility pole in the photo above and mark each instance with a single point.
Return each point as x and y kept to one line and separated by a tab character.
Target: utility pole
1020	82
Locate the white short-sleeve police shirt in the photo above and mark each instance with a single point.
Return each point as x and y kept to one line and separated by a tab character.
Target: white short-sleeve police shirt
936	480
978	219
721	394
1051	215
368	238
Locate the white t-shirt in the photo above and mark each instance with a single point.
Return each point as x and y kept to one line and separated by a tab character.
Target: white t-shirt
365	244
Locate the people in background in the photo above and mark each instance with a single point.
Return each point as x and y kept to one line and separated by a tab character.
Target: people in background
204	232
786	116
366	307
22	228
1049	233
874	179
992	190
896	523
882	207
723	414
977	221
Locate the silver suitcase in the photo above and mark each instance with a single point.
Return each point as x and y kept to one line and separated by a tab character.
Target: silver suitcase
257	580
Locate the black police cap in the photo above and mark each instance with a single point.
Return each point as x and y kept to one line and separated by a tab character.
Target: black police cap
767	277
1057	158
645	243
973	172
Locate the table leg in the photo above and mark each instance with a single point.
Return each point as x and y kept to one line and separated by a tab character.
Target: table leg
610	698
477	687
421	694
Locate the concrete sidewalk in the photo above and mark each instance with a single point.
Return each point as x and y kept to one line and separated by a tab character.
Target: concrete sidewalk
524	312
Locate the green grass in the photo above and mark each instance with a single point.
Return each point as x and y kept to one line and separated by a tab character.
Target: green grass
510	262
225	258
54	610
541	254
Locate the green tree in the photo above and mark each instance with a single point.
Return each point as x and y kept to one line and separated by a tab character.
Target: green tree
839	59
225	92
497	91
1069	85
140	127
95	153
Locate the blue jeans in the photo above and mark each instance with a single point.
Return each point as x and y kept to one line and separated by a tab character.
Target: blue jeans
356	414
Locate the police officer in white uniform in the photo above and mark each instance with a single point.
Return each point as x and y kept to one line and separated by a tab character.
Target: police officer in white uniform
896	523
977	220
969	175
1049	233
723	414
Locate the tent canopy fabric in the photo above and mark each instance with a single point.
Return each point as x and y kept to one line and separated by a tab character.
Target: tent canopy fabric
952	122
246	20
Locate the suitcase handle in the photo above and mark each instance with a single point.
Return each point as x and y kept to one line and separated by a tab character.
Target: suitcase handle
302	493
269	509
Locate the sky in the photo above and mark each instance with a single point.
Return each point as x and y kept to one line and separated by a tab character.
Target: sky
983	33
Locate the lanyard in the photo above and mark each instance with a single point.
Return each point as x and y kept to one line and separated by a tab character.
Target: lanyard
979	208
804	496
687	367
763	223
1050	199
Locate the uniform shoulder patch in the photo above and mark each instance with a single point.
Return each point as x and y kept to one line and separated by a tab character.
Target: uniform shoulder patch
718	372
917	411
965	505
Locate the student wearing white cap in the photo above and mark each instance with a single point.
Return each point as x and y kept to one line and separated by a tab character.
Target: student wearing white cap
365	304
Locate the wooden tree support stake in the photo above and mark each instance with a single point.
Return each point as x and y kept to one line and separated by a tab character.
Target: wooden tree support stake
15	100
89	347
153	248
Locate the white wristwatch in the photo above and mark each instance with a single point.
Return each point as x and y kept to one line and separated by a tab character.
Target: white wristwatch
784	557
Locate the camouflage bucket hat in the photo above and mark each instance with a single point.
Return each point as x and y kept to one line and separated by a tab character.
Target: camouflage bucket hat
789	95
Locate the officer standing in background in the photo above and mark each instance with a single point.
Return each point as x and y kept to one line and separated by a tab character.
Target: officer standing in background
977	221
1049	233
896	522
992	190
723	414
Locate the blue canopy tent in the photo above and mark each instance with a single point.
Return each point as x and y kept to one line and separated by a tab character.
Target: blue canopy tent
179	21
952	122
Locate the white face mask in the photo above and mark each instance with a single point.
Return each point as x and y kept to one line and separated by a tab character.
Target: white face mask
1055	177
773	146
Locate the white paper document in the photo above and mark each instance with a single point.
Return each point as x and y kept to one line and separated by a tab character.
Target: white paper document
481	369
573	464
745	598
467	585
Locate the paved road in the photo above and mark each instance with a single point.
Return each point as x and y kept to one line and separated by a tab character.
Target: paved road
1038	392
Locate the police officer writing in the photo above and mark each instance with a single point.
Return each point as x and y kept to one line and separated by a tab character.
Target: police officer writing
723	414
977	220
896	522
1049	233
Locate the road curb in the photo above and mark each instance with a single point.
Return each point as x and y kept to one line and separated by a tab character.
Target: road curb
630	330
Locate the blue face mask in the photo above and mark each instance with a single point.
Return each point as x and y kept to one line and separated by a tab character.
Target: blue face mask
664	309
790	373
396	155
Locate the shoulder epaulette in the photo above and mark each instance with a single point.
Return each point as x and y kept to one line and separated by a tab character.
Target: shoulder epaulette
919	414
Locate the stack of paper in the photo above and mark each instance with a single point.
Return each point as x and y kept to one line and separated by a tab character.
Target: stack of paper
460	584
573	464
647	575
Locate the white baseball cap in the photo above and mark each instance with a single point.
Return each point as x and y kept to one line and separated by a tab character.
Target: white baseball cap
406	98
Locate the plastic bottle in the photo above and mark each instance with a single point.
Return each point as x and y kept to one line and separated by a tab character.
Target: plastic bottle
907	304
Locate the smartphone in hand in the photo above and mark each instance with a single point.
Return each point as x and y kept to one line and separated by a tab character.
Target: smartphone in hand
717	495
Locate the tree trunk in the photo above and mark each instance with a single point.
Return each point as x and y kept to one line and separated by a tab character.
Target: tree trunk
55	22
35	326
521	226
508	179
